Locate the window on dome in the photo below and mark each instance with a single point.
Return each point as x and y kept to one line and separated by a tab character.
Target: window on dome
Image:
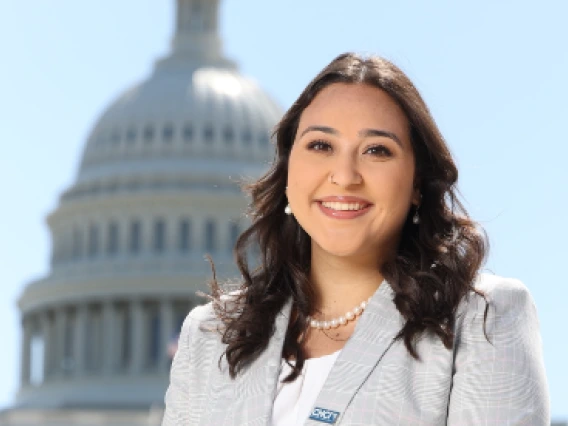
112	242
210	236
168	132
131	135
149	134
208	134
159	235
185	236
228	135
247	137
188	133
93	245
135	242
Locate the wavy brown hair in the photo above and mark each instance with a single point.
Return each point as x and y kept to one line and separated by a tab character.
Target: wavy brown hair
435	264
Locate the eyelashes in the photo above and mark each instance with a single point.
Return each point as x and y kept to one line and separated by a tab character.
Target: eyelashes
378	150
319	145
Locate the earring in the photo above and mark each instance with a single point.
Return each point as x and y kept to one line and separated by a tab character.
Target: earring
288	209
416	217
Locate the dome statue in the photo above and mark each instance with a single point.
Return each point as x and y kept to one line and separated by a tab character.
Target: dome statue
158	187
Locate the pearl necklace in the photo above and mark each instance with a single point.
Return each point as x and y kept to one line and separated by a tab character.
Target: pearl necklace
342	320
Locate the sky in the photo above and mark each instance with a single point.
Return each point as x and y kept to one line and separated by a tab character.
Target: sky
492	72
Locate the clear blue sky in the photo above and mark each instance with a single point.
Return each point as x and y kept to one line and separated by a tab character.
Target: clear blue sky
493	73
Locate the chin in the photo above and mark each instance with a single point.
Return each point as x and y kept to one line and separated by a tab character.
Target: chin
342	250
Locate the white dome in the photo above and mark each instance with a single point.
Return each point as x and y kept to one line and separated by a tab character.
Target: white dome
194	119
213	122
208	112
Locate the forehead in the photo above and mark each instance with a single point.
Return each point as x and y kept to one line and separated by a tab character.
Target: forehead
351	107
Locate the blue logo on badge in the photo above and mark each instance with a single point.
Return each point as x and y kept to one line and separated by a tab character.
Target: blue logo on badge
324	415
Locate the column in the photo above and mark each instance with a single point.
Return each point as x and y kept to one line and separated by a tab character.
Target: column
122	337
110	351
25	358
138	347
59	347
47	336
167	325
80	339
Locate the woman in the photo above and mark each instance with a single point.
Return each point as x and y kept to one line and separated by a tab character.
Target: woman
366	306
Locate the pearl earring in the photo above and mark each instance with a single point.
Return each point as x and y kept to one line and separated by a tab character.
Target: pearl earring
416	217
288	209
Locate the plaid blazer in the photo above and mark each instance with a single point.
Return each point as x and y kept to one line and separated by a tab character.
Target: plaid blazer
375	381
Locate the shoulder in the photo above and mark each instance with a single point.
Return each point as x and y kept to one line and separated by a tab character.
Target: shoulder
201	314
498	362
195	326
498	293
499	303
204	321
503	290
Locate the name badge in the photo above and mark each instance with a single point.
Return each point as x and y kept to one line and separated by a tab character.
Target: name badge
324	415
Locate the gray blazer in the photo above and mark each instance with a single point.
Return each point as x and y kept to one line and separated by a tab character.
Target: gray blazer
375	381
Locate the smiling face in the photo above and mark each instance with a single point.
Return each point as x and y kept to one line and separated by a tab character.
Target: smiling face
351	172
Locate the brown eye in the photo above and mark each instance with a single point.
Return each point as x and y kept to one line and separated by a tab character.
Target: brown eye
379	151
319	146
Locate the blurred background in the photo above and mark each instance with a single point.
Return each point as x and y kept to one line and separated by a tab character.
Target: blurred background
127	125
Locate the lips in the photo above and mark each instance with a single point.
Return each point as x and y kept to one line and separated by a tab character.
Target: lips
344	207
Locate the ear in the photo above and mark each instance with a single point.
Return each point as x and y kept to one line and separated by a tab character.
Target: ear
416	195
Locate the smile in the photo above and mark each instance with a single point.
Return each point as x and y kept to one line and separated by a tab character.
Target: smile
338	210
343	206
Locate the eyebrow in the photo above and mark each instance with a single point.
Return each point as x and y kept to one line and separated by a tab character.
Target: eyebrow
365	133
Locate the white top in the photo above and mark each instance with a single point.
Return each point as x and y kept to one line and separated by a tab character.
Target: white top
294	401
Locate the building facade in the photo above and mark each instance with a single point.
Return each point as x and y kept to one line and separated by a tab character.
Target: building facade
158	187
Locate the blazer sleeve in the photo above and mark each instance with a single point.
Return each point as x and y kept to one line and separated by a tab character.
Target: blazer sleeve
501	381
177	395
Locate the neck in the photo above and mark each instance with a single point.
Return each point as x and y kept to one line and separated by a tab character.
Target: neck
342	283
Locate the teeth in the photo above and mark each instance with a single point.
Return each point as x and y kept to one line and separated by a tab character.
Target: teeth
342	206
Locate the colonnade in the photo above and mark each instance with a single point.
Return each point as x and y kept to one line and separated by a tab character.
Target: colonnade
105	337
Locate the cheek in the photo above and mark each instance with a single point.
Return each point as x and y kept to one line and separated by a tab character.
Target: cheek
397	190
298	177
294	165
303	176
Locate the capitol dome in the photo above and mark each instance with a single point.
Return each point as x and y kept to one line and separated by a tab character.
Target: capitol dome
158	187
196	117
189	115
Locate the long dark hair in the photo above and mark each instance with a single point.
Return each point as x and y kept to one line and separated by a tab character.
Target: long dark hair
436	261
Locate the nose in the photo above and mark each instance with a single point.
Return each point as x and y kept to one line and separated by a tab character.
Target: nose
345	173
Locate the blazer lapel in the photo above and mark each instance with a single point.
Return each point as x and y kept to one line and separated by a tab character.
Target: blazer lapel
374	334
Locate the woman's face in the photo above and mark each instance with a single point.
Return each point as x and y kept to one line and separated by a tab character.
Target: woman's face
351	172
